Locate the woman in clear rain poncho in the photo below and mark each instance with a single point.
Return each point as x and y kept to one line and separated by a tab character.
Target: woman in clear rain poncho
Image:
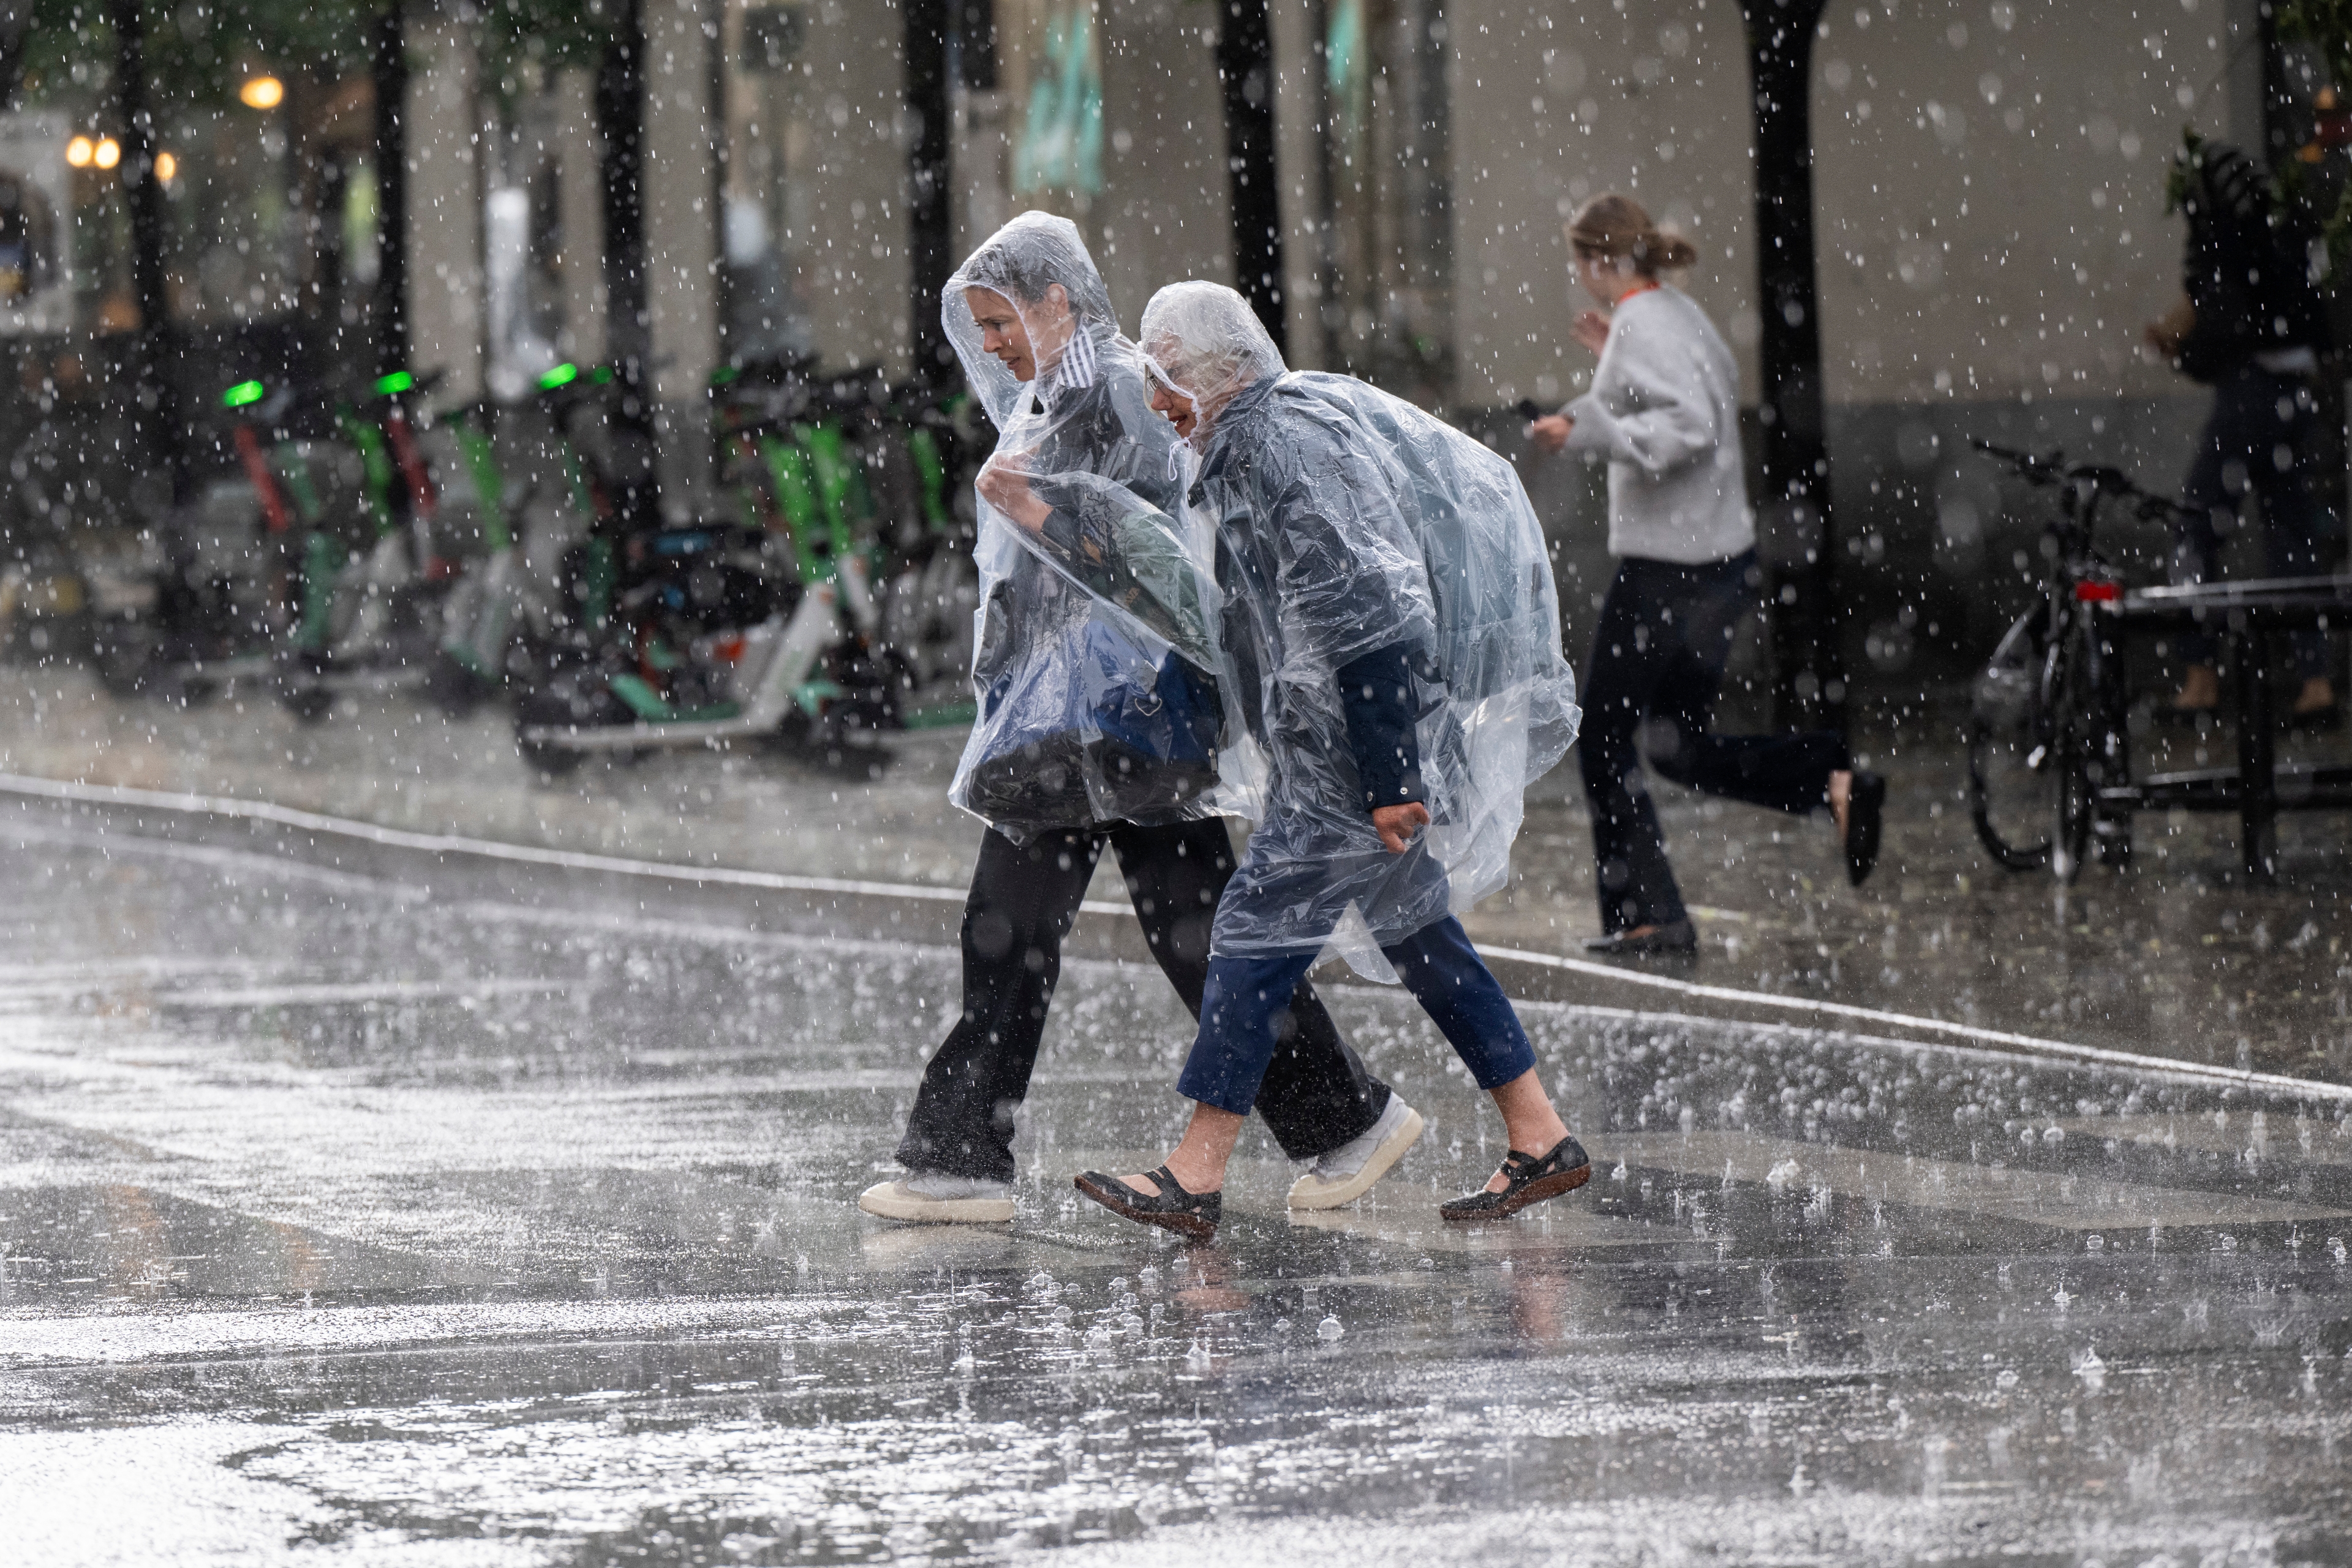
1099	724
1394	642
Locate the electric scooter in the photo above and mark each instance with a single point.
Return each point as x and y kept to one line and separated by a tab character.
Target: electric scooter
369	620
541	599
201	609
808	666
931	597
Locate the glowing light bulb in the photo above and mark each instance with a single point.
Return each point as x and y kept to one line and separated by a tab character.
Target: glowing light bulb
262	92
109	153
80	151
167	167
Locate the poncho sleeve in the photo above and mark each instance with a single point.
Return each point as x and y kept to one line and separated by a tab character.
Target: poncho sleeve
1110	529
1350	578
1130	554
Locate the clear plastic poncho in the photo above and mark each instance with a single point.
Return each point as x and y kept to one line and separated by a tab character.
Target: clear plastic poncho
1349	522
1095	660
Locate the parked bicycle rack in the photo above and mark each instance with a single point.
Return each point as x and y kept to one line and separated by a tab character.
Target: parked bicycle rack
2258	789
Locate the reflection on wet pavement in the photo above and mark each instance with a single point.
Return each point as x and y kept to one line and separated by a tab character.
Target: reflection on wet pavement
417	1214
2177	958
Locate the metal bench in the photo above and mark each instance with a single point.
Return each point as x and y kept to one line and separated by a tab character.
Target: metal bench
2245	615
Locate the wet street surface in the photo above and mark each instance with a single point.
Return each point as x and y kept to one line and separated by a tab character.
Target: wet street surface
2177	958
363	1202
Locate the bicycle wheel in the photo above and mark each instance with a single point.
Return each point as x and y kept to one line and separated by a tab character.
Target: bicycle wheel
2074	746
2010	777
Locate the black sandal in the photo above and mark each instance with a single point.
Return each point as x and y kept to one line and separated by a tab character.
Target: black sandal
1187	1214
1527	1180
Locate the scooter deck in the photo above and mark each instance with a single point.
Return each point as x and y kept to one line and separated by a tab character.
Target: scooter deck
638	736
391	678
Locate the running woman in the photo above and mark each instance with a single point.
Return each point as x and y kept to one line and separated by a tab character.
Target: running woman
1664	411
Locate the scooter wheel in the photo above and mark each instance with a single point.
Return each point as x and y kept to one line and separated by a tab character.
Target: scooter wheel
307	703
549	762
125	653
454	688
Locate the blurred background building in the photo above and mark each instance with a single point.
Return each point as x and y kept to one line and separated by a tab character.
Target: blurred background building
191	188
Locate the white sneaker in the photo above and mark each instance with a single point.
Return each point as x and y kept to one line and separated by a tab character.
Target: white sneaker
934	1198
1348	1172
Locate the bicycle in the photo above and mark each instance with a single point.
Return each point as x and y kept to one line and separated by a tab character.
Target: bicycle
2049	739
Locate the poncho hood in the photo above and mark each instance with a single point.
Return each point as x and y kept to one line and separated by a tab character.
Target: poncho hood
1095	660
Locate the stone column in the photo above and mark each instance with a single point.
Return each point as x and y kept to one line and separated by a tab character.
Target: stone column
1165	210
682	240
1298	151
579	207
445	206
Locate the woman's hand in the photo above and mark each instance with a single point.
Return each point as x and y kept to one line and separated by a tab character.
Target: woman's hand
1550	433
1004	484
2166	333
1590	329
1396	824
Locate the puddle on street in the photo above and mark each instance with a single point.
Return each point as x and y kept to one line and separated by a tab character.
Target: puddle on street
441	1228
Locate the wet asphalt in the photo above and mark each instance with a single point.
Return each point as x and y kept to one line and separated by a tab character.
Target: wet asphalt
369	1202
2179	957
410	1209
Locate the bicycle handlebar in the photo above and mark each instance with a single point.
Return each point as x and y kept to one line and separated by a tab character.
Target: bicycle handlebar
2054	470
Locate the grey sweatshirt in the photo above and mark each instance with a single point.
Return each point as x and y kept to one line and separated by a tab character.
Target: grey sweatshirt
1664	411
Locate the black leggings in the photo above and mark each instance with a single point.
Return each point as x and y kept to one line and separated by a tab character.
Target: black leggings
1656	668
1317	1095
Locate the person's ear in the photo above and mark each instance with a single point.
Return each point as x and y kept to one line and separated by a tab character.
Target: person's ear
1058	296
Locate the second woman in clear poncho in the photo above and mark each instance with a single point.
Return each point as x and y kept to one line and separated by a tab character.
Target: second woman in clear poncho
1389	618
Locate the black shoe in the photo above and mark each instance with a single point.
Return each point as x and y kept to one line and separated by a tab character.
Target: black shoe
1187	1214
1865	813
1679	938
1528	1180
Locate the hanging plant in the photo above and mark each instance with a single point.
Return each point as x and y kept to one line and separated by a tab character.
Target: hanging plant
2310	194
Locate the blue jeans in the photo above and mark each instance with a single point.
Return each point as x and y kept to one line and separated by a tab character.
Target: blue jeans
2259	437
1245	1015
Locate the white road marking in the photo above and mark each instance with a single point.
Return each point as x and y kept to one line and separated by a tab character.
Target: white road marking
2063	1200
359	991
280	866
115	1337
450	844
482	849
2202	1071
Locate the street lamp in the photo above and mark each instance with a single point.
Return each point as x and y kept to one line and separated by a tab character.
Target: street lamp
261	92
109	153
80	152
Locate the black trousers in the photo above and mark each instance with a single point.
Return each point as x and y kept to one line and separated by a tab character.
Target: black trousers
1316	1095
2261	437
1650	686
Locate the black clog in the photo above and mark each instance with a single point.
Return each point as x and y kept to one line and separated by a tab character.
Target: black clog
1187	1214
1527	1180
1675	939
